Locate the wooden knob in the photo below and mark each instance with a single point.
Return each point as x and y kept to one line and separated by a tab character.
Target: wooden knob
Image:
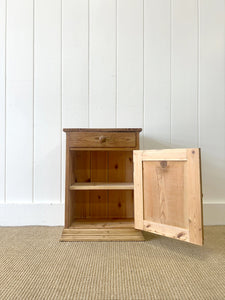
163	164
102	139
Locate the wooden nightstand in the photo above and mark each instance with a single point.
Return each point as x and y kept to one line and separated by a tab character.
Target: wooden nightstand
113	189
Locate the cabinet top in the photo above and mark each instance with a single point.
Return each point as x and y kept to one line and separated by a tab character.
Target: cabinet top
102	129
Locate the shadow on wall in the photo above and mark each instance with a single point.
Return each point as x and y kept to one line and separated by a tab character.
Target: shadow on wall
150	143
212	169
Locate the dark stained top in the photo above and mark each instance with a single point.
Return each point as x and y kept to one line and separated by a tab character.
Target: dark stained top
102	129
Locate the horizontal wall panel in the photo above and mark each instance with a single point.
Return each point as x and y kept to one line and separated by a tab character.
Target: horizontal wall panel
19	101
184	73
157	74
2	97
102	54
47	101
129	63
212	95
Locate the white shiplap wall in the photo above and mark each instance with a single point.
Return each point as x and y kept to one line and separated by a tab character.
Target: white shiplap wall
155	64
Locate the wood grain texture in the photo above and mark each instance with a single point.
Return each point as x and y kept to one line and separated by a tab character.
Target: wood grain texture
119	235
168	194
102	230
121	204
169	231
121	170
120	167
102	63
81	166
98	204
79	205
163	188
103	223
81	163
99	166
99	184
19	101
47	101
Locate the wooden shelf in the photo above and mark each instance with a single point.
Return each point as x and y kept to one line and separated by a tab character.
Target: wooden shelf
103	223
102	186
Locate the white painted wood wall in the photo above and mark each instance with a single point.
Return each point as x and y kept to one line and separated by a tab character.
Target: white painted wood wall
155	64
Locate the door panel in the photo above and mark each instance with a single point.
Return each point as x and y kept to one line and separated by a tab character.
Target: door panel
167	193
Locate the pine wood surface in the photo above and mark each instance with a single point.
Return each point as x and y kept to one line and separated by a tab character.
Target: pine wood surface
99	139
167	193
103	223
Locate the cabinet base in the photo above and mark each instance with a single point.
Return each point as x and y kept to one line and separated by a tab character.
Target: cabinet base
90	234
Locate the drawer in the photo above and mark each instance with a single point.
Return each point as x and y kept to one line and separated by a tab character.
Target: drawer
102	139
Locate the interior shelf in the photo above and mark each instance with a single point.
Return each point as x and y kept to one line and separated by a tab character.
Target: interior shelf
102	186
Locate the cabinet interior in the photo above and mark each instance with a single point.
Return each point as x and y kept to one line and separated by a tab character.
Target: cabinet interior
101	188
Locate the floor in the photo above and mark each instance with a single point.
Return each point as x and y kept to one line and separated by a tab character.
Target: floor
35	265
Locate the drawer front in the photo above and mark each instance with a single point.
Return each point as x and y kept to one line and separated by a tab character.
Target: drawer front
102	139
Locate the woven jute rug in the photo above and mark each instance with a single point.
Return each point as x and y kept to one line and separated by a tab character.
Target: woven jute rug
35	265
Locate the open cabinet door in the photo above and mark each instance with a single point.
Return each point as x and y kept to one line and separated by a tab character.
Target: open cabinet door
167	193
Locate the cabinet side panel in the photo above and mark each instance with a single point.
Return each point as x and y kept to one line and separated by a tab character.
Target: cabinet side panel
99	164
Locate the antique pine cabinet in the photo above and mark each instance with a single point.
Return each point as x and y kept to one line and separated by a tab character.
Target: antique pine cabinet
114	191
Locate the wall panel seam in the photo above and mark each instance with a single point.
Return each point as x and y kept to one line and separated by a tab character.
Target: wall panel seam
5	172
33	166
171	53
